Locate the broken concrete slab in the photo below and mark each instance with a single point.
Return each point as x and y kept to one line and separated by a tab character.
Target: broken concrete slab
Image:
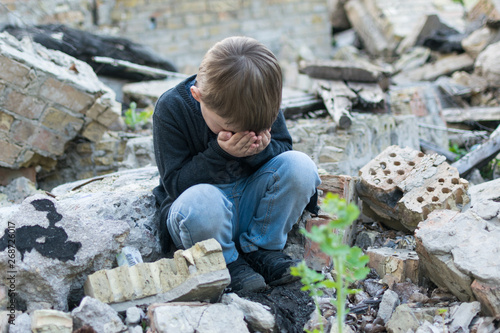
55	249
402	186
51	321
401	264
126	195
485	201
196	317
463	257
48	99
487	65
196	274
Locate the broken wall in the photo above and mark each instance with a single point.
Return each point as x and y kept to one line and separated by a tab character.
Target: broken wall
47	98
184	30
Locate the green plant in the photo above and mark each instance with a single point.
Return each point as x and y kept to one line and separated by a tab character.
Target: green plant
461	152
349	262
133	118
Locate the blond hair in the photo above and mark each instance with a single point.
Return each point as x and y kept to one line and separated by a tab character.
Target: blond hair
241	81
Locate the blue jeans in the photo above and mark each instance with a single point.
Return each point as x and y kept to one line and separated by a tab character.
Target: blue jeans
256	211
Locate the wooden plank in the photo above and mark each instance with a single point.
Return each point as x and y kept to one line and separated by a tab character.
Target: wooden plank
481	155
338	100
456	115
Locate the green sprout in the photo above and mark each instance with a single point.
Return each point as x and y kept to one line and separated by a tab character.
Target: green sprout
133	118
349	262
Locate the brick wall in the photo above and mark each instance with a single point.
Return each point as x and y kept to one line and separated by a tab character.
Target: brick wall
47	98
183	31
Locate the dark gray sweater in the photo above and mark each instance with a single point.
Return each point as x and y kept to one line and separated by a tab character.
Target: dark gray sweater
187	152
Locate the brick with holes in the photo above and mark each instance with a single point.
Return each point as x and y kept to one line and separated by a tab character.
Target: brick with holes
401	186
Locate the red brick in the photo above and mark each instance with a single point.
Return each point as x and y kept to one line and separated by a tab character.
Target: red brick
14	72
313	256
342	185
489	297
24	105
66	95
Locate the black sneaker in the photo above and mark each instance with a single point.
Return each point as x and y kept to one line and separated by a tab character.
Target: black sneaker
244	278
274	266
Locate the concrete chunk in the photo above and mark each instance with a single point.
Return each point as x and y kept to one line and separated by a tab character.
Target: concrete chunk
52	321
198	273
402	264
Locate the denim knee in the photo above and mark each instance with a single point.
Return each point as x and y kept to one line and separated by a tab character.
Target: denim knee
201	212
299	170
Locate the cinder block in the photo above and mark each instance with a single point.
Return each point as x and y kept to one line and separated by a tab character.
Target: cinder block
399	263
126	283
52	321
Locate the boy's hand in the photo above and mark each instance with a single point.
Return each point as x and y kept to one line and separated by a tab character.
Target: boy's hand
243	144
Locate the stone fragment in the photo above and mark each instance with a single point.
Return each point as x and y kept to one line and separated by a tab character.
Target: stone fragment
390	300
55	249
462	315
462	258
488	64
479	39
406	318
488	10
402	186
134	315
196	317
198	273
52	321
139	152
100	316
23	324
258	317
402	264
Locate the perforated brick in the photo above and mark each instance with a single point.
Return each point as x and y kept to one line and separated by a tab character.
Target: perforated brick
401	186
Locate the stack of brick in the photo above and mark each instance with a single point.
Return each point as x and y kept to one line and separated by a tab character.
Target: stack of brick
47	98
198	273
401	186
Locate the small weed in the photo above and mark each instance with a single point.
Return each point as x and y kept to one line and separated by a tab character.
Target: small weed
349	262
461	152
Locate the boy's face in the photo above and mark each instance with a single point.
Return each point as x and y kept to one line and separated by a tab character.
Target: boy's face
215	122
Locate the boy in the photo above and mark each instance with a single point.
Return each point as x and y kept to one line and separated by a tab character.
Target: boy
226	166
